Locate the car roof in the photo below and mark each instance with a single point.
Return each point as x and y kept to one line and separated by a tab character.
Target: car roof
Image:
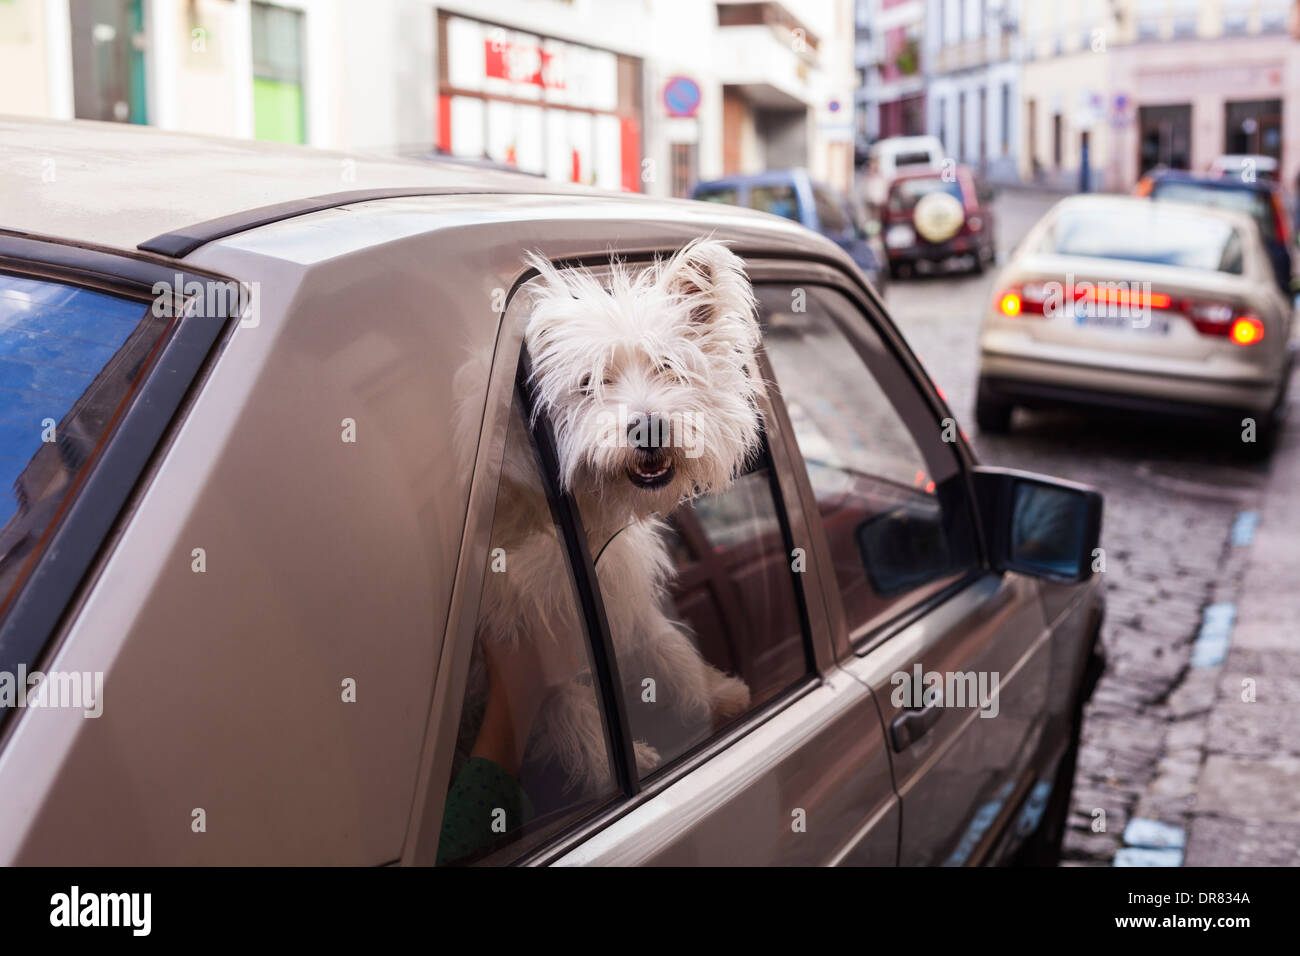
903	143
1213	181
766	178
118	185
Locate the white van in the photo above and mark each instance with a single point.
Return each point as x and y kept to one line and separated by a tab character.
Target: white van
888	156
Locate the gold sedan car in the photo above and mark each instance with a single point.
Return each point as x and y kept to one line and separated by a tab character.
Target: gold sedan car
250	532
1161	308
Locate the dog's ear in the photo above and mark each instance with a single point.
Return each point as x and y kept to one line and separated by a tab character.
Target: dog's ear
709	277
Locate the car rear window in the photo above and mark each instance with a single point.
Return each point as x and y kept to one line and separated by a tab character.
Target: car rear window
780	200
921	158
1250	201
69	360
726	195
908	192
1146	235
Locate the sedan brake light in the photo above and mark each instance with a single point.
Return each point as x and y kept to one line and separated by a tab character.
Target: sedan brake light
1222	319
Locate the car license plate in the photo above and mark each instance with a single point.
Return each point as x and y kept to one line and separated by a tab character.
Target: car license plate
1102	316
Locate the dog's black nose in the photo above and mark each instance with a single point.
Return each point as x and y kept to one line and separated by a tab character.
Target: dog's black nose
645	431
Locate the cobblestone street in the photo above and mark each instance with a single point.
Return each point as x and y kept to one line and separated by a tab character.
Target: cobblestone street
1180	507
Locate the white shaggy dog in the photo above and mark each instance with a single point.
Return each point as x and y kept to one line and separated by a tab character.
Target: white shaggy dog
647	376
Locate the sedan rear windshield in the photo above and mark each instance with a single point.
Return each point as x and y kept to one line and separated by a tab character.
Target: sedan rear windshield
908	192
69	360
1253	202
1147	234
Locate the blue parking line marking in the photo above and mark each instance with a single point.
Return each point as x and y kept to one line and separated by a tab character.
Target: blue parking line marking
1154	835
1243	529
1141	856
1212	642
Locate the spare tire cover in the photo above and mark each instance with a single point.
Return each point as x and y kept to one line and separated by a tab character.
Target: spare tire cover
938	216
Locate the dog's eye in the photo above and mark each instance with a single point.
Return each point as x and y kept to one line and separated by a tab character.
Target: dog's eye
585	385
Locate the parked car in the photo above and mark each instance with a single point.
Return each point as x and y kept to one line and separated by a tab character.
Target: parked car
1163	308
254	489
933	217
792	195
889	158
1262	199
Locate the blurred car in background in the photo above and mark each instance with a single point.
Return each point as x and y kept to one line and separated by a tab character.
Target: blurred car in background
888	158
793	195
1245	166
931	217
1262	199
1165	308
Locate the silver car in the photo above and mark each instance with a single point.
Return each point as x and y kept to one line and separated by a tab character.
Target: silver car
253	497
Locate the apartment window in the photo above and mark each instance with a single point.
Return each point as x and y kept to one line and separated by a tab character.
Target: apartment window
1032	124
279	112
1006	119
1273	16
1056	140
1185	15
1235	16
684	169
961	126
983	127
108	64
942	110
1149	13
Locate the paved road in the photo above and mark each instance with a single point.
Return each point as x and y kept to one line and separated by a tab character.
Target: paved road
1172	497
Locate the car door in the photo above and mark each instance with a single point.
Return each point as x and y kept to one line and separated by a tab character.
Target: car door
802	777
956	656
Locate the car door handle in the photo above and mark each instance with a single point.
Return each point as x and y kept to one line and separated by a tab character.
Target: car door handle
911	725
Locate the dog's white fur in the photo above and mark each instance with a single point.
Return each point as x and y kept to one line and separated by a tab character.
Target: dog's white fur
675	340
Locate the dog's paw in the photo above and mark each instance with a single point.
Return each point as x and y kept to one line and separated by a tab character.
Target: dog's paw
647	758
730	697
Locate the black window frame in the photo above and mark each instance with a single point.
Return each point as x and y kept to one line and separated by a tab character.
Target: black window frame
48	596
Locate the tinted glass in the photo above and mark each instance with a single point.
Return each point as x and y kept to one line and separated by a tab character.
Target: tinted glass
516	778
727	195
891	501
778	200
830	212
908	192
69	359
1149	234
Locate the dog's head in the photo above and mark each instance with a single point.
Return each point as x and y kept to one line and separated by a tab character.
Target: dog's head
648	375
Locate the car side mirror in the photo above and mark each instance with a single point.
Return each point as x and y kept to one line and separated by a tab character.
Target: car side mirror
1039	526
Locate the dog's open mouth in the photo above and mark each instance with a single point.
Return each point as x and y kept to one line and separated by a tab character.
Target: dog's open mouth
651	471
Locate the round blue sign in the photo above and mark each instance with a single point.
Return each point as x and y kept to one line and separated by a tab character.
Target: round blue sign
681	96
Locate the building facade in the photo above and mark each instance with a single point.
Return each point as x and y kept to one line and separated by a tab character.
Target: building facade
891	80
644	95
1140	83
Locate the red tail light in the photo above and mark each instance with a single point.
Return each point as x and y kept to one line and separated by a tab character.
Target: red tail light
1281	223
1034	298
1223	319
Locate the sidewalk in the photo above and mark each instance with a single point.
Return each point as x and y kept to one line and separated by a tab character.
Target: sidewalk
1247	806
